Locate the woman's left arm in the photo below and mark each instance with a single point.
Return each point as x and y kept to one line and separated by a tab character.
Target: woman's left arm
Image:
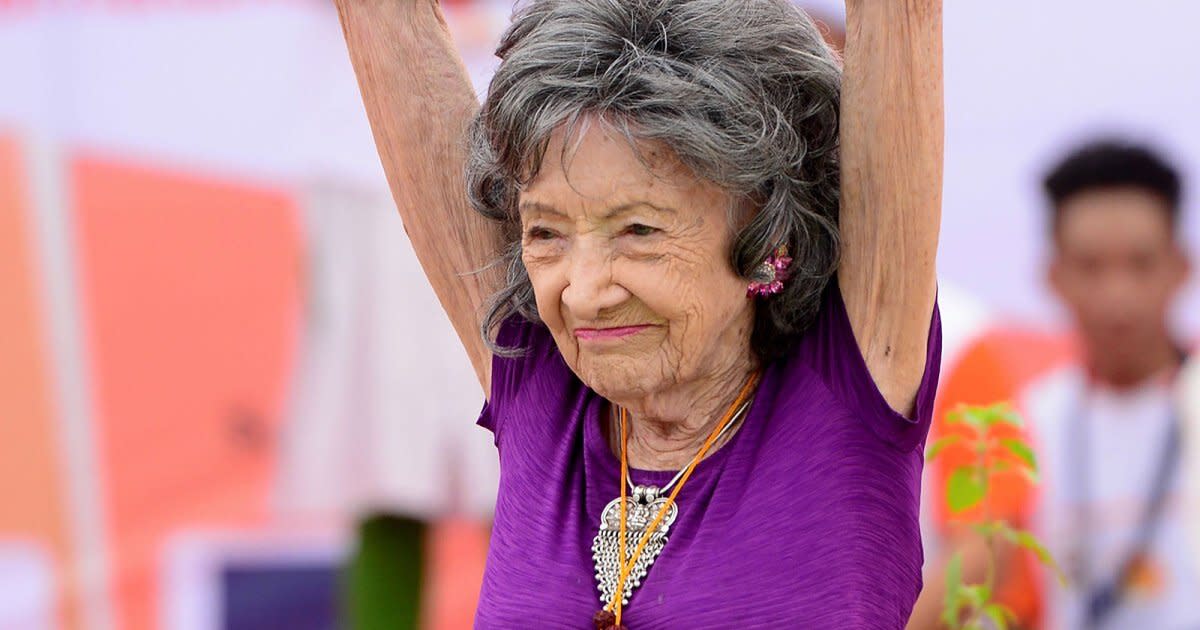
891	151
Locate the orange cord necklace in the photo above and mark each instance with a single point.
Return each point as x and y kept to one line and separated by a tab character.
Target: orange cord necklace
610	616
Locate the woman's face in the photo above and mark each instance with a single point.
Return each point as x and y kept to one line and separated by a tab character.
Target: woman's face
630	266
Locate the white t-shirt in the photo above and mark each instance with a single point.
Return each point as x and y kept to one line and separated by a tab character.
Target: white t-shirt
1124	440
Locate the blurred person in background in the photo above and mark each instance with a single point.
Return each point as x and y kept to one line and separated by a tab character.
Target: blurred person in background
1106	426
680	241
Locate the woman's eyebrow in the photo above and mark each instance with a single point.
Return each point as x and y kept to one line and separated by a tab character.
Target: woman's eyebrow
537	206
626	207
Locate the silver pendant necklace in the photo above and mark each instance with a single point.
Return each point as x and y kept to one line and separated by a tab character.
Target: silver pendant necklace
642	506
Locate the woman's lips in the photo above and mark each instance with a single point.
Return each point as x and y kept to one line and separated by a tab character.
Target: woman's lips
616	332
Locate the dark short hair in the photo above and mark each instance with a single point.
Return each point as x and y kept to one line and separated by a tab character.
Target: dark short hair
1111	163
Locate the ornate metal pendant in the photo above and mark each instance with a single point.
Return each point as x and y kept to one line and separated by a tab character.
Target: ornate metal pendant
641	508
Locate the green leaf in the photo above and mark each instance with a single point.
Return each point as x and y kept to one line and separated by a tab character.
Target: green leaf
1000	466
965	489
1030	542
964	601
1004	412
954	573
1013	418
954	602
1022	451
999	615
1003	529
977	418
1031	475
988	528
983	418
976	594
940	445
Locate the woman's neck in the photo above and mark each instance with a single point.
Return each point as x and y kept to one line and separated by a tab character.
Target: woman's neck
669	427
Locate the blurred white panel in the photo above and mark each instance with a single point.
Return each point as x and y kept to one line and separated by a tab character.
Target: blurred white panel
383	398
27	592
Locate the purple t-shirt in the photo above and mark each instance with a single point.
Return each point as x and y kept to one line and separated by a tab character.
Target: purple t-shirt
806	518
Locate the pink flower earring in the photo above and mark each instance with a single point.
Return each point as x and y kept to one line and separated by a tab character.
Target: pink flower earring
769	277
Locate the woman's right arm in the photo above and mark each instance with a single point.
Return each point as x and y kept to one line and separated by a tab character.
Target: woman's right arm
420	102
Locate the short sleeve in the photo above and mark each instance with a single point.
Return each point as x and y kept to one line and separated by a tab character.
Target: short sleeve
534	347
831	348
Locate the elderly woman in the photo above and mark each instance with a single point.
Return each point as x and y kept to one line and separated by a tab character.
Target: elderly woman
711	357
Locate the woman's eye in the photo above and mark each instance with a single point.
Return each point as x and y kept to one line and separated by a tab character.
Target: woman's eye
637	229
539	234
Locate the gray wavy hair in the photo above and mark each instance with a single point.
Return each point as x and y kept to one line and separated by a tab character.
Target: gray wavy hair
746	92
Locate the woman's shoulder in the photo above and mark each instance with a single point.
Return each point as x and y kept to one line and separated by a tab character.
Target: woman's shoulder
527	360
830	350
521	340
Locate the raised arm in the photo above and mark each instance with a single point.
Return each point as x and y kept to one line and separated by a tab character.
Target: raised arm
420	102
891	142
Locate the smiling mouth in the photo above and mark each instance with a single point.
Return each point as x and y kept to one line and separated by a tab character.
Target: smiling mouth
617	332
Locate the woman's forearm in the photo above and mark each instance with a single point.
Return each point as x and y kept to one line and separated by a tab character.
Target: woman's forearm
892	145
419	102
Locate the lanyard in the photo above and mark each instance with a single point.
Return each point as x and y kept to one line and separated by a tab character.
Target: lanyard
1102	599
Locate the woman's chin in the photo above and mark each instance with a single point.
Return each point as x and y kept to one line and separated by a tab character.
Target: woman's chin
620	378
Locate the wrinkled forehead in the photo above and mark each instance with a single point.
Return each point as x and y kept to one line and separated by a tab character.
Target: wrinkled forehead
600	162
593	139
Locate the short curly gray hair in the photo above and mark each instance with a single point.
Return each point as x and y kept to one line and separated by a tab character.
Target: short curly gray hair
745	92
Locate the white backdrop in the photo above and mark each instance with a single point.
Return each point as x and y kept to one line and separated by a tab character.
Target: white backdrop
1025	79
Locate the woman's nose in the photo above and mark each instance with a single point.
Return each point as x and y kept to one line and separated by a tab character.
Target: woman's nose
591	288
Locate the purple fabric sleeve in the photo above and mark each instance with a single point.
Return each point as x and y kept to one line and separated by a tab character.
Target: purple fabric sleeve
535	347
833	351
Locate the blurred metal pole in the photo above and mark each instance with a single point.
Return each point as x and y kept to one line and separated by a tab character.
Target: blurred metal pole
55	246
